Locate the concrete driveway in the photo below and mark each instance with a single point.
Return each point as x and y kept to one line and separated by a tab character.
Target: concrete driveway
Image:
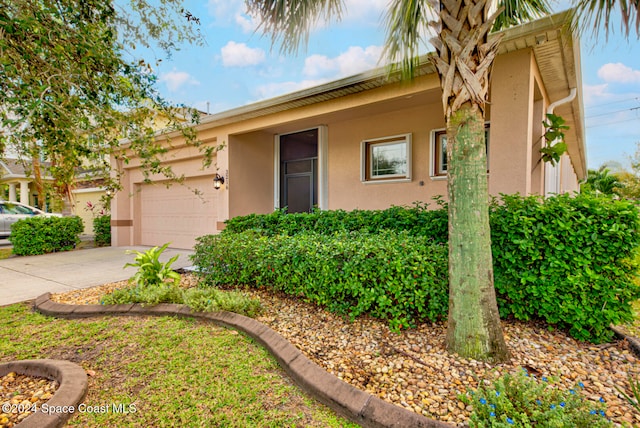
25	278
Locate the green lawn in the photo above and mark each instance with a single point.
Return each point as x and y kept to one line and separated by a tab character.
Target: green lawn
177	372
5	253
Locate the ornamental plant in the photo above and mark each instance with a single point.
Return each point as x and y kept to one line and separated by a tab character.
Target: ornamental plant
102	230
198	299
634	398
151	271
522	400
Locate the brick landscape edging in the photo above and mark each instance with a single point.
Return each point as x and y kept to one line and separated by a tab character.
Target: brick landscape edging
72	390
634	344
349	401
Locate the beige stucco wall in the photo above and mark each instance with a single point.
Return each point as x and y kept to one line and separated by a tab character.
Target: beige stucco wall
347	191
517	106
251	166
82	196
126	222
511	132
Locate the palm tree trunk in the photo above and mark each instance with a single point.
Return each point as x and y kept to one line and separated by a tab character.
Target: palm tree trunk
464	62
473	329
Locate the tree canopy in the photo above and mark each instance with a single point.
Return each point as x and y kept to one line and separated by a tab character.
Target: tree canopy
74	82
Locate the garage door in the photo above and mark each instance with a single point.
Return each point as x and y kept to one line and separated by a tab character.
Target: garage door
176	214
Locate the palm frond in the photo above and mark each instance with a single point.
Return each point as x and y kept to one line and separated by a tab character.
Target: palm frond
289	22
598	15
517	12
407	23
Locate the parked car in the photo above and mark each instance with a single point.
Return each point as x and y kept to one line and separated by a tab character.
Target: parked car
11	212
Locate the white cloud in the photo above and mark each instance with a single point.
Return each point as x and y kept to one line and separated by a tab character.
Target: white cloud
224	10
595	93
248	24
232	12
355	60
372	10
618	73
240	55
176	79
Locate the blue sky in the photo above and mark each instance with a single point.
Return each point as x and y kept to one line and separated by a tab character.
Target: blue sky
239	66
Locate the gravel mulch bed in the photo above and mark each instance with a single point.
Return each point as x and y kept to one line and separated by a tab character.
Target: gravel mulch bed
413	370
20	395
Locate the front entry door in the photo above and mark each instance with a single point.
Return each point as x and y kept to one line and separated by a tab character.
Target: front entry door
299	171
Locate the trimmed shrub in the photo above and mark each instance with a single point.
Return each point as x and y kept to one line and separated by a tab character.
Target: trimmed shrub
41	235
417	220
388	275
567	260
102	230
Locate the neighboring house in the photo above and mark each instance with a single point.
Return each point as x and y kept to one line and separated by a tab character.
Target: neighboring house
18	183
20	187
363	142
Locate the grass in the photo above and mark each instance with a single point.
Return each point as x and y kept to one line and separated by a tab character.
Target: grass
175	372
5	253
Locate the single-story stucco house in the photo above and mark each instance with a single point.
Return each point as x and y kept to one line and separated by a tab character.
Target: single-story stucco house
368	142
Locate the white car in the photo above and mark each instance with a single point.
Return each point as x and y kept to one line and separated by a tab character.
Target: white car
11	212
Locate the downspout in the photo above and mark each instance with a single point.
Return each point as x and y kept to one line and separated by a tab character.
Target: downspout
567	99
550	109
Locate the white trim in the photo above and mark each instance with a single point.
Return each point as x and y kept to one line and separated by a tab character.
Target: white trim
276	172
399	178
323	167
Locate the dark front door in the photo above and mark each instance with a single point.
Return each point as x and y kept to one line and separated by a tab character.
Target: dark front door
299	171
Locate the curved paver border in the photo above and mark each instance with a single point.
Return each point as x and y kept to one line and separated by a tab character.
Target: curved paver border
349	401
72	390
634	343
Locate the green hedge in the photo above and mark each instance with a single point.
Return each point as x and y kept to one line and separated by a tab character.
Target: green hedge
102	230
41	235
568	261
415	220
389	275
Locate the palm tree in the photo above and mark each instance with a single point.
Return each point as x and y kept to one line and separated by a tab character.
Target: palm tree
601	182
598	13
464	58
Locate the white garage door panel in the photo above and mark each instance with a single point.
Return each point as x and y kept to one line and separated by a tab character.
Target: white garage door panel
176	214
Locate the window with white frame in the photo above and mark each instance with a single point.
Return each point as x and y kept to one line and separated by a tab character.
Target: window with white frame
387	158
440	151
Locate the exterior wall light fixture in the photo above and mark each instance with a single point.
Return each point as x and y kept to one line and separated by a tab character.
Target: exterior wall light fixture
218	181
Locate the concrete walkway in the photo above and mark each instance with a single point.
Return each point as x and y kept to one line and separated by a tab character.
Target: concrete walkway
25	278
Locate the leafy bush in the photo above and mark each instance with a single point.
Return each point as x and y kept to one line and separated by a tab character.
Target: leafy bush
157	283
41	235
212	300
201	300
415	220
523	401
566	260
145	294
102	230
388	275
151	271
